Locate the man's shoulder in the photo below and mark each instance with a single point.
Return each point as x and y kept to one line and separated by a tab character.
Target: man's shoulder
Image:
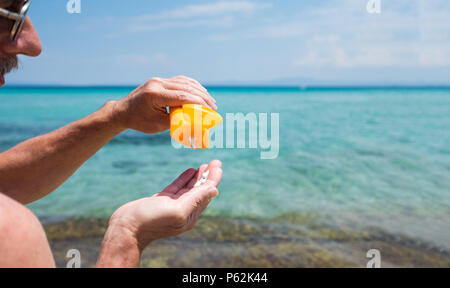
23	240
14	216
10	207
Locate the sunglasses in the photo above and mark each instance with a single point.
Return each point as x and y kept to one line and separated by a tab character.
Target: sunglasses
18	18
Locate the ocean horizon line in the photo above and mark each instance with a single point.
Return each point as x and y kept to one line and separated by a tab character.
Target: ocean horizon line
232	86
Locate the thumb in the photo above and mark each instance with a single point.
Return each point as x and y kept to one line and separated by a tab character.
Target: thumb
198	195
164	122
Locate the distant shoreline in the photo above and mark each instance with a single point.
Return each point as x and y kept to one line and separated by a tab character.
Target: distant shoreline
218	87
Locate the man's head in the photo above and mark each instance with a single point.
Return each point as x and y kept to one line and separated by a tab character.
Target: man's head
26	43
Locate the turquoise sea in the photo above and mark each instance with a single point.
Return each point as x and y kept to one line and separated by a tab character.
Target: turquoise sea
352	157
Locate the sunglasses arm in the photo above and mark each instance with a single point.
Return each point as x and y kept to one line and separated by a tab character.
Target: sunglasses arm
10	15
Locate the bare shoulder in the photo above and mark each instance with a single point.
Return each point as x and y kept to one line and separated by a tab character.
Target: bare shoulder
23	242
10	209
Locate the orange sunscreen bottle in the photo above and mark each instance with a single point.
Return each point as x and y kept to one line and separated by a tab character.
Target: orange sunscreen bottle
190	124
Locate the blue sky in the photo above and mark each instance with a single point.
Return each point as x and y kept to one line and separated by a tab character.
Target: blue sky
290	42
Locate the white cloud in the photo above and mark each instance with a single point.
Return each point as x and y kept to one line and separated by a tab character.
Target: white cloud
139	59
207	10
226	21
434	55
333	34
273	31
219	14
332	51
340	33
405	34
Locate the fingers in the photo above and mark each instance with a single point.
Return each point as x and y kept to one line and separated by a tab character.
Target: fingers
194	82
195	85
197	197
202	169
202	208
215	173
164	123
204	191
215	163
197	212
187	87
177	98
180	182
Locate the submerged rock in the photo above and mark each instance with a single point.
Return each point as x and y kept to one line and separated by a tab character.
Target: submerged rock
285	241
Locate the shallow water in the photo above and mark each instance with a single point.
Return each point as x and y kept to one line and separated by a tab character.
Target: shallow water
351	158
291	240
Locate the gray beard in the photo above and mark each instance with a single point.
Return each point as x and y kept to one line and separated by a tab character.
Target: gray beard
7	64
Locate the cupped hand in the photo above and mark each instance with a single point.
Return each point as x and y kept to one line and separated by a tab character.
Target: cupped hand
144	109
172	211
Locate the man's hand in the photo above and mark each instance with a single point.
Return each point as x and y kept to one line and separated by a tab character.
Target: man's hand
168	213
144	109
36	167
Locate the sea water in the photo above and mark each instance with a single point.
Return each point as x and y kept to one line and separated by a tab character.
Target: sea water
369	157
